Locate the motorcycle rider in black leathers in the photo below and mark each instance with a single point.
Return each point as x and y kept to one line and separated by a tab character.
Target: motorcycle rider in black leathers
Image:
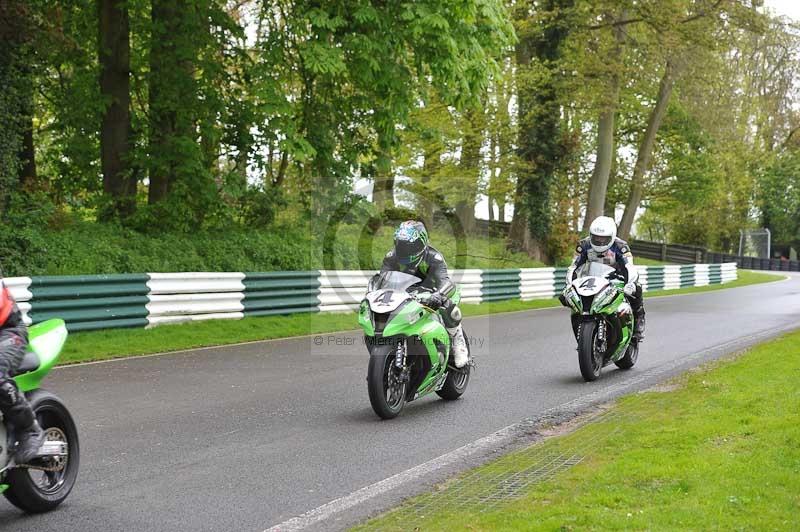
413	255
603	246
15	408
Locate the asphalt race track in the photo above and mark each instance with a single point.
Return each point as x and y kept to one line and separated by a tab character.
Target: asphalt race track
250	436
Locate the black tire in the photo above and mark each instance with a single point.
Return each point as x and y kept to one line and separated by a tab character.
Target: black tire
631	356
23	491
457	380
587	359
381	362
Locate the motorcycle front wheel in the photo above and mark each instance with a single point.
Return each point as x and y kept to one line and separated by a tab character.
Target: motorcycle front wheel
589	359
35	490
387	393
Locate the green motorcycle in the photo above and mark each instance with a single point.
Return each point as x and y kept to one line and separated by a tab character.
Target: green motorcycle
602	320
44	482
408	344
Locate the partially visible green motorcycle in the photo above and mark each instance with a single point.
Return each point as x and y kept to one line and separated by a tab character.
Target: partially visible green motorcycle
408	344
44	482
602	320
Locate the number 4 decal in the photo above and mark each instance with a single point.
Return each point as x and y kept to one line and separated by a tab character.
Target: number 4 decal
588	283
386	298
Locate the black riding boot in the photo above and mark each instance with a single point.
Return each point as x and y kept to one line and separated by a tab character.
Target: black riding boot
18	413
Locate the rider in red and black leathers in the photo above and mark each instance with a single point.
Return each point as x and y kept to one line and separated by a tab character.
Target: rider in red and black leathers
13	405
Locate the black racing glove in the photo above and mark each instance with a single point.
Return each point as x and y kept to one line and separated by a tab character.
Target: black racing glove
436	301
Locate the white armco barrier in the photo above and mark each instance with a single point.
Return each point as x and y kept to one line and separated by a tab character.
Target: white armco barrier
194	296
537	283
729	272
92	302
672	277
341	290
701	277
20	291
470	283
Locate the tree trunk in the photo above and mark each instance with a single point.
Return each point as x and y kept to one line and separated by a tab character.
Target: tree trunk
646	148
383	188
162	113
432	163
598	186
173	138
469	167
119	181
542	145
17	57
610	207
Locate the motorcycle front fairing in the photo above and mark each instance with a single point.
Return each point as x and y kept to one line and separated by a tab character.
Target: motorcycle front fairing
389	295
595	296
45	341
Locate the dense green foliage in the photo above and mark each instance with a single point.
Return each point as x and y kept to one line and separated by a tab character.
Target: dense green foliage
90	248
161	118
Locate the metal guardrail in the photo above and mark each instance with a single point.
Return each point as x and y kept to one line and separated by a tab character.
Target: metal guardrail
681	254
89	302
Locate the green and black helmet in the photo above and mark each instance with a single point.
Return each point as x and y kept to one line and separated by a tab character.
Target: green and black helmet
410	243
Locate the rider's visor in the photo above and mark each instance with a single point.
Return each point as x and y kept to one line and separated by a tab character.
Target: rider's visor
409	253
599	240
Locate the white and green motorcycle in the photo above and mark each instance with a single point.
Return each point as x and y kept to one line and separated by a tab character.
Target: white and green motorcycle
602	320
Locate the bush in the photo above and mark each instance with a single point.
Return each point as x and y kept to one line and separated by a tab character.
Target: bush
81	247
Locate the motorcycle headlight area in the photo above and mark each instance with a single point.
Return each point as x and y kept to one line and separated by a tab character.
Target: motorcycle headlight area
413	316
605	297
574	299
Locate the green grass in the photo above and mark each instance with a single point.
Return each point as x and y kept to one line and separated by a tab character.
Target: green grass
114	343
718	450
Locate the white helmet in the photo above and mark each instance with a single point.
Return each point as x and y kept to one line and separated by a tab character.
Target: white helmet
602	233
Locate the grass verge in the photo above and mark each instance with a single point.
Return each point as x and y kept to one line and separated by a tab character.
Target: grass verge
115	343
718	450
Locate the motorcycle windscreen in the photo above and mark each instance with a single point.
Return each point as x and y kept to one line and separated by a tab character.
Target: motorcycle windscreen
595	269
393	281
46	339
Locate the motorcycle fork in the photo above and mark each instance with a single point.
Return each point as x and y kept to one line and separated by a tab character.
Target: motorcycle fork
602	338
400	354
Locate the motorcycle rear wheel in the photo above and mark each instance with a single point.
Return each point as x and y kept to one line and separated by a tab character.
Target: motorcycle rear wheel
457	380
589	360
631	356
35	491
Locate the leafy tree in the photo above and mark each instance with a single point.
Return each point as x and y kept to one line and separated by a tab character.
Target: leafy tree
542	141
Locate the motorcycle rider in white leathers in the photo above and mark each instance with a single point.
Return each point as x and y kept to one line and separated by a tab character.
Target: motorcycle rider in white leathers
602	245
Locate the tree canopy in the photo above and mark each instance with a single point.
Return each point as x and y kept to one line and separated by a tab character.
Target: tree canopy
678	117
